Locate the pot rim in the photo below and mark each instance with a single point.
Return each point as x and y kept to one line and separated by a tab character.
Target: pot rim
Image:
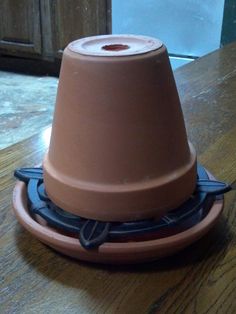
115	45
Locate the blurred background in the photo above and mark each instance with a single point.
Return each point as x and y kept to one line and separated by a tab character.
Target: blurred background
34	33
39	30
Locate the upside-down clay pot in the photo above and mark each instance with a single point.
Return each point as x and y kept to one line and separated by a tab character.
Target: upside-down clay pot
118	150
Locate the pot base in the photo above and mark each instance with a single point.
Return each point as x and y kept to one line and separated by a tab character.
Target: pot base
111	252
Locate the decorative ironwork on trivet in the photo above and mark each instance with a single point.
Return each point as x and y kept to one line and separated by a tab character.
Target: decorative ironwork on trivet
92	233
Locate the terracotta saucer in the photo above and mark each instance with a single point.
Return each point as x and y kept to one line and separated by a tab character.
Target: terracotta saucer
112	252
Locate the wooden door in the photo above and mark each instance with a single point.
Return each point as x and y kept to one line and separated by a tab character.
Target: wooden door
73	19
39	30
20	31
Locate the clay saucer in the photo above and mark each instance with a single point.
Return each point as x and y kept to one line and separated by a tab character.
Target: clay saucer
112	252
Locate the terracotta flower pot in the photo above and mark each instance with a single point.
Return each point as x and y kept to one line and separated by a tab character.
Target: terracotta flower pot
119	149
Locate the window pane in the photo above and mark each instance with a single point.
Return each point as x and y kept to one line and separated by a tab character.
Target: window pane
187	27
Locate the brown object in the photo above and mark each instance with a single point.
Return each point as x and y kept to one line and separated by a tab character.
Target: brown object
119	148
199	279
111	252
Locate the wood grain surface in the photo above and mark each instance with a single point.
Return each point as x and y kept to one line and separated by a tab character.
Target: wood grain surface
200	279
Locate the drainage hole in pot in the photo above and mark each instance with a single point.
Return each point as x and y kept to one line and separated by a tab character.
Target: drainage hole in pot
115	47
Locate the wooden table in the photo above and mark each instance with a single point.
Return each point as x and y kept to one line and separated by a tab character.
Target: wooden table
200	279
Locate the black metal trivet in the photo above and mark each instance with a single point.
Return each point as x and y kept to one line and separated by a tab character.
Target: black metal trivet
92	233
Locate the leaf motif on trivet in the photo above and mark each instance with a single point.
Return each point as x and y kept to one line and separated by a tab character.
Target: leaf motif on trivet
25	174
94	233
213	187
